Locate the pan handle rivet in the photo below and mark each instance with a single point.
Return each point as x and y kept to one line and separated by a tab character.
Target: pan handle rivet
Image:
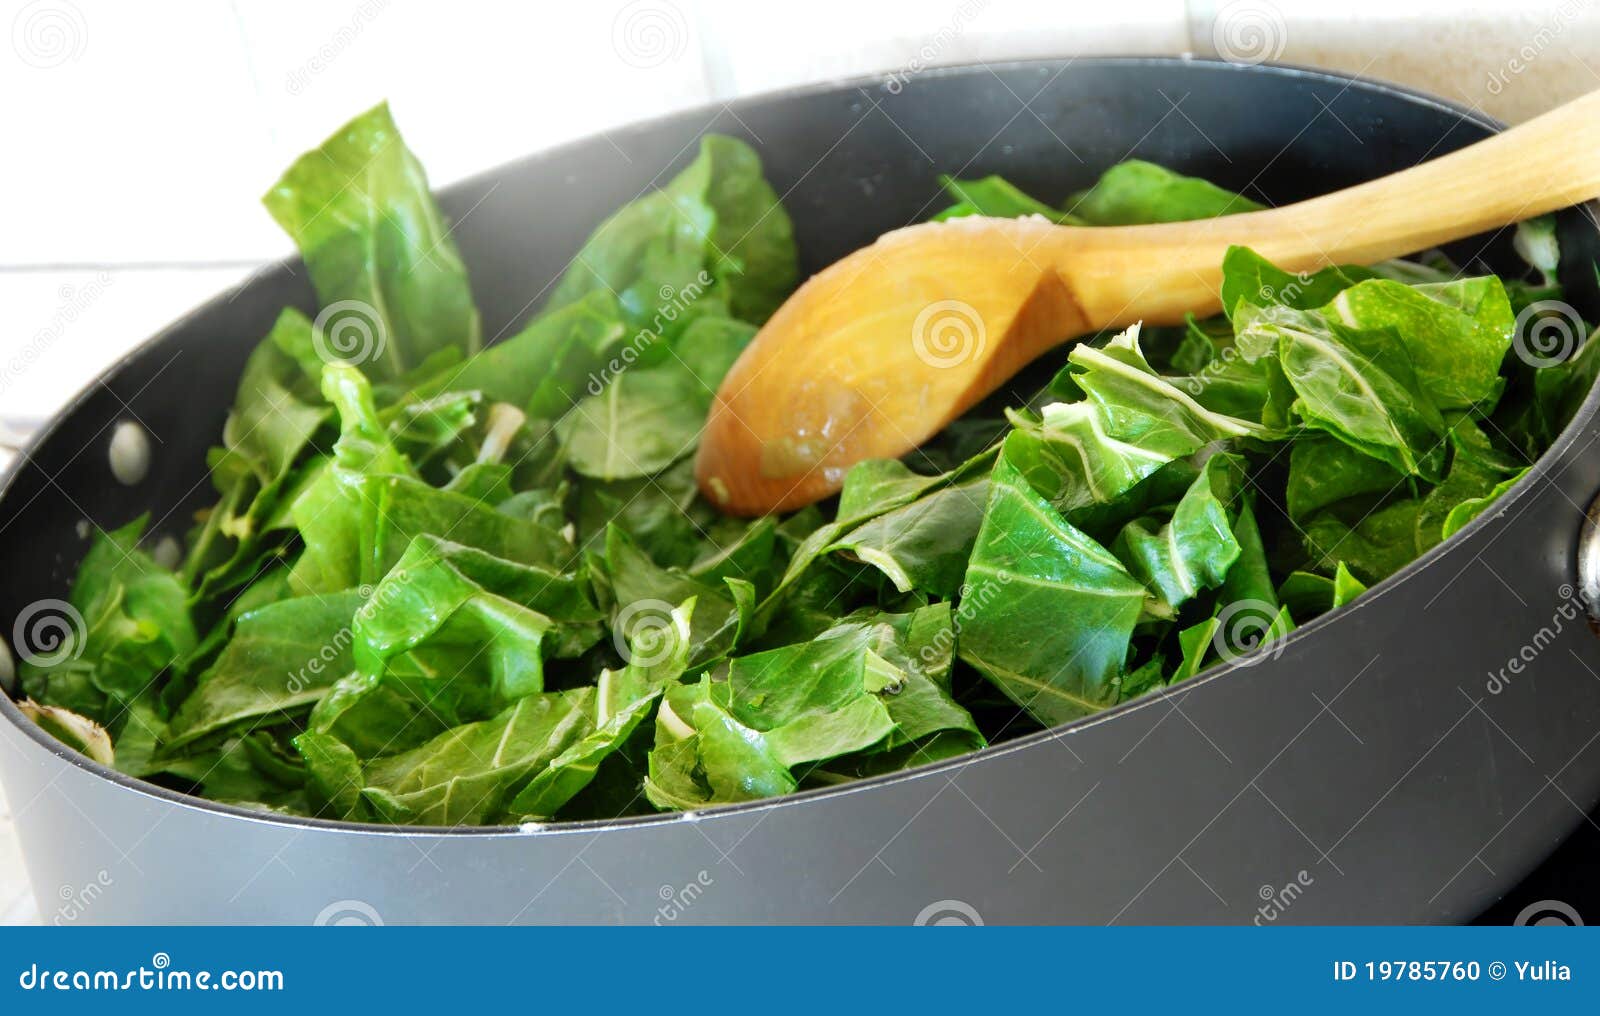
129	453
1589	564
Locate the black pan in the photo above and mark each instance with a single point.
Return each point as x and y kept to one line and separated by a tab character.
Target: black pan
1370	768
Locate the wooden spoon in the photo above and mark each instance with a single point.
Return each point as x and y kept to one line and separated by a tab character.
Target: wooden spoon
878	352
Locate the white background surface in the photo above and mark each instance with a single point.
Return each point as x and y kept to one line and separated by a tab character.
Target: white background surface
138	137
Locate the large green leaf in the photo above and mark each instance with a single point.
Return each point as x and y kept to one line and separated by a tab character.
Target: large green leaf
1308	595
1469	509
1361	387
1477	467
363	511
1139	407
468	774
925	544
1069	458
641	423
1136	191
657	657
126	621
1373	543
642	594
392	284
1049	611
871	488
451	635
276	413
1324	470
859	687
282	657
549	364
1455	333
996	197
1193	550
472	625
715	232
1249	277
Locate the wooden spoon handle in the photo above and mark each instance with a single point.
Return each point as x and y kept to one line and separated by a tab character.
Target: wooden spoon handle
1547	163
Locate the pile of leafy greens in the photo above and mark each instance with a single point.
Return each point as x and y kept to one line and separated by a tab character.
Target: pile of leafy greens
445	583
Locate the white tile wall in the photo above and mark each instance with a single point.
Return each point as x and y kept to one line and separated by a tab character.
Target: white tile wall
137	138
64	325
756	47
1510	58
